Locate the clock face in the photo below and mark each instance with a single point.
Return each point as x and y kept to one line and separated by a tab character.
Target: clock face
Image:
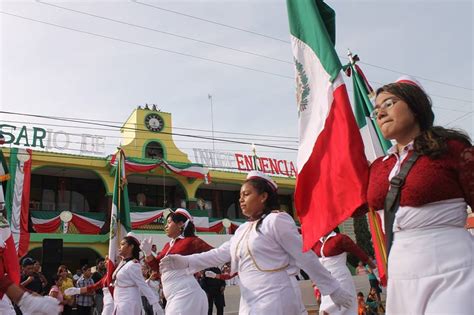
154	122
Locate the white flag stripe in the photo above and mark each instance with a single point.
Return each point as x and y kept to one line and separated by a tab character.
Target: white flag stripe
16	202
314	115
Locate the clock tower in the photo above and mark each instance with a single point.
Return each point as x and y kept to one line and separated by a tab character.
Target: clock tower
148	134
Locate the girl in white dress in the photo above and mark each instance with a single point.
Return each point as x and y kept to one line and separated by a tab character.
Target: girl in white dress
183	294
261	251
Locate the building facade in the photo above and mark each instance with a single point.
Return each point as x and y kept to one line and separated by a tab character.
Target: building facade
70	195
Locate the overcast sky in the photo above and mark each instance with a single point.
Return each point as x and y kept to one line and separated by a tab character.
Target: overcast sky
53	71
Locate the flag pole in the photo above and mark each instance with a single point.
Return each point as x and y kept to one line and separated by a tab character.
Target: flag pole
254	150
119	194
209	96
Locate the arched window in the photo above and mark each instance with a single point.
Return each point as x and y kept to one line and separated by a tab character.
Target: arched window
154	150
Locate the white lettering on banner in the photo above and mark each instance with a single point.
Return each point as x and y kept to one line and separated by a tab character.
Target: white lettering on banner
243	162
214	159
49	139
65	142
92	143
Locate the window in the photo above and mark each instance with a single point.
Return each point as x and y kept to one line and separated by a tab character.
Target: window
223	203
53	193
154	150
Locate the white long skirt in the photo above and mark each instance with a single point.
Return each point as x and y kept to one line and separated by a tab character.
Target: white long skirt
6	307
297	289
337	266
108	308
127	301
183	294
267	293
431	271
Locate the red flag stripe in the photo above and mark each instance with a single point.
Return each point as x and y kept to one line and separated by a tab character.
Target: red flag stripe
333	182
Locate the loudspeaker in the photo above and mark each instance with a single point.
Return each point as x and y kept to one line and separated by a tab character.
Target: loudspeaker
52	251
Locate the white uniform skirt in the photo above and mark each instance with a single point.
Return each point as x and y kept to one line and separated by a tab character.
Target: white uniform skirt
267	293
127	301
431	271
108	308
184	295
299	298
337	266
6	307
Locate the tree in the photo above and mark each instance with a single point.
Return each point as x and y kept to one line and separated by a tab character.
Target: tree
363	238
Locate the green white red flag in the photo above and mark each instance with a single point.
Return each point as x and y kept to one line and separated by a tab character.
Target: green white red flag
332	169
120	223
17	199
7	244
374	143
375	146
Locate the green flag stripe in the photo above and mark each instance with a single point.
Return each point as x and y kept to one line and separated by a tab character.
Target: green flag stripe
123	206
364	107
316	30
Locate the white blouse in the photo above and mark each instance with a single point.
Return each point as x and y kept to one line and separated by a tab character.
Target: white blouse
273	248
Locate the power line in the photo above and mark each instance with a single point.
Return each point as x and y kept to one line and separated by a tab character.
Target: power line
210	21
149	46
183	54
82	157
440	96
289	42
174	127
138	129
416	76
164	32
460	118
138	138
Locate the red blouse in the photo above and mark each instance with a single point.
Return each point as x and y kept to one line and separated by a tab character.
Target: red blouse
429	180
338	244
99	285
182	246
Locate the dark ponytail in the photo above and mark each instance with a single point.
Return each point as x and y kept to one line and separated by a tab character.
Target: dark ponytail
434	141
190	229
272	203
136	246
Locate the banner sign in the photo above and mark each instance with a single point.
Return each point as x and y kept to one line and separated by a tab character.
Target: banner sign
49	139
243	162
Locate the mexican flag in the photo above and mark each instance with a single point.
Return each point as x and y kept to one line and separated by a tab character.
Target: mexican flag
17	199
333	170
7	246
3	168
375	146
374	143
120	223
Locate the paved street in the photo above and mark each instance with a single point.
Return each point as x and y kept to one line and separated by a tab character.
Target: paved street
232	295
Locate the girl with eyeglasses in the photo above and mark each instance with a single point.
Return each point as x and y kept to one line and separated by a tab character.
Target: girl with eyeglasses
430	264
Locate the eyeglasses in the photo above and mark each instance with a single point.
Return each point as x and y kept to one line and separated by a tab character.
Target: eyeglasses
387	105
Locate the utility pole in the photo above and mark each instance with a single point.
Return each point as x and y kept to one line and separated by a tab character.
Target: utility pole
209	96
